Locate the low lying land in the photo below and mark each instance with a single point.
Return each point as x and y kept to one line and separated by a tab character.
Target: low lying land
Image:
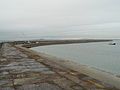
24	69
35	43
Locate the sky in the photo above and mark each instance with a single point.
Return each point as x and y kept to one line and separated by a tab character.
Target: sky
81	18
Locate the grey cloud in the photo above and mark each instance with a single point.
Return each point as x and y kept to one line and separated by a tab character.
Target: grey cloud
61	17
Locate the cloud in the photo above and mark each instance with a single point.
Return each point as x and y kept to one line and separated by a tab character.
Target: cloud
65	16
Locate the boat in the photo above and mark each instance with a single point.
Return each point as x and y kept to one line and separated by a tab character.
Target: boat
113	43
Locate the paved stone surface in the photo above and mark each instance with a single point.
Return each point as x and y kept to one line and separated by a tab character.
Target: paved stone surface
20	71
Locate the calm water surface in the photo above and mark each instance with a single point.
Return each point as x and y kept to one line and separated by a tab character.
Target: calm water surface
99	55
31	35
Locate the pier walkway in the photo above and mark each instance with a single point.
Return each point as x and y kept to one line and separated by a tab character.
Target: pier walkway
21	70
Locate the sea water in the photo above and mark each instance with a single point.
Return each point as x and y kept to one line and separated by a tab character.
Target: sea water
31	35
99	55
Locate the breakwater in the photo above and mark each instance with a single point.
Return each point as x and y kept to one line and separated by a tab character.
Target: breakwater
23	69
35	43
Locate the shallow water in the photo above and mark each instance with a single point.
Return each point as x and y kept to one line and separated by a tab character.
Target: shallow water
99	55
10	36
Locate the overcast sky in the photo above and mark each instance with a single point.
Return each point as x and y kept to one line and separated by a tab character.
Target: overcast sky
85	18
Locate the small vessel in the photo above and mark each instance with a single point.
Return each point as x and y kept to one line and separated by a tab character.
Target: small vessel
112	43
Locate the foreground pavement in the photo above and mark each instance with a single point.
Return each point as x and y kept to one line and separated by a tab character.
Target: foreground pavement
21	70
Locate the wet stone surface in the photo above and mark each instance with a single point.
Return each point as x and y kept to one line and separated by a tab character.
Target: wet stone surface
20	72
43	86
15	68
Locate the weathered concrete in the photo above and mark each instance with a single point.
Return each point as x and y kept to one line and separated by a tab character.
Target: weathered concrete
20	69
